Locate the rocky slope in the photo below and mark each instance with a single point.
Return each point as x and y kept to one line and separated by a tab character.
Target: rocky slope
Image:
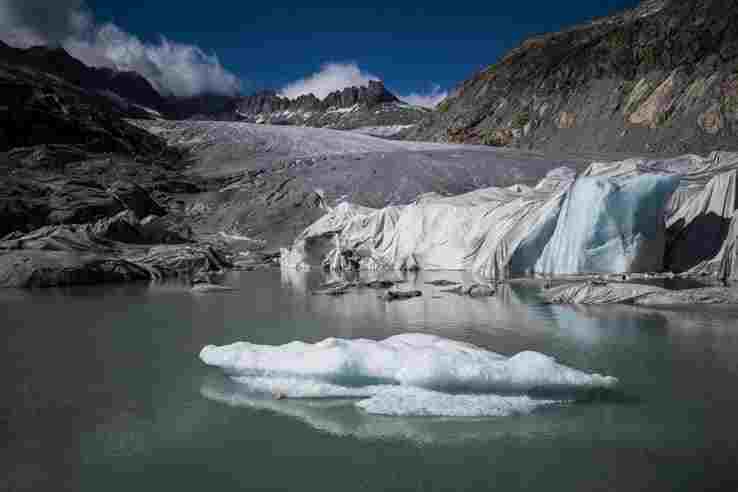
660	78
372	108
85	196
128	91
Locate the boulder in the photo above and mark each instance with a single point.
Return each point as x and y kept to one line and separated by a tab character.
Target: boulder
442	283
399	295
478	290
378	284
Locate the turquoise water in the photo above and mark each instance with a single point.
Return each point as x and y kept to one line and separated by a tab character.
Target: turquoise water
103	391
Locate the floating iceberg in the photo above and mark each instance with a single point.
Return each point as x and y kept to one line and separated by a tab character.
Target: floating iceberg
412	374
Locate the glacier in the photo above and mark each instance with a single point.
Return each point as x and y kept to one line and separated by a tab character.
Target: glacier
630	216
409	374
610	226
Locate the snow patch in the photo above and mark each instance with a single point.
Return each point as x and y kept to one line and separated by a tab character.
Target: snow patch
350	109
382	131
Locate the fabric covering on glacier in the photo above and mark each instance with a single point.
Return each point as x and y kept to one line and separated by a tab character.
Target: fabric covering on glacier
636	215
412	374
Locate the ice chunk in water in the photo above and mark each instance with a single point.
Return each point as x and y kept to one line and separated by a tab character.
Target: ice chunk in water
412	374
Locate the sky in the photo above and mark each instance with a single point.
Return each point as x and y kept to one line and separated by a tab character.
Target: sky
420	50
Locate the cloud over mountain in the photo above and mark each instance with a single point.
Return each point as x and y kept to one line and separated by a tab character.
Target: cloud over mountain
173	68
332	77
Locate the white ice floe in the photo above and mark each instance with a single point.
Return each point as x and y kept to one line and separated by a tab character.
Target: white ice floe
411	374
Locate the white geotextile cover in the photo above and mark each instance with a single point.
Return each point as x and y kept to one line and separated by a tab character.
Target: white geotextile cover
612	219
481	231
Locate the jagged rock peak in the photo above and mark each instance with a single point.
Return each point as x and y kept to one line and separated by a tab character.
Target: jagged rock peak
269	101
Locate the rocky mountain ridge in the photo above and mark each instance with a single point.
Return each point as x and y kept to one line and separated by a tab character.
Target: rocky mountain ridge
127	89
661	78
347	109
352	107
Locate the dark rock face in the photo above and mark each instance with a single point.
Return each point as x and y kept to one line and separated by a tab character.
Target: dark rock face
75	202
128	91
131	95
135	198
173	261
26	204
86	197
37	108
370	96
660	78
110	250
29	202
55	60
58	268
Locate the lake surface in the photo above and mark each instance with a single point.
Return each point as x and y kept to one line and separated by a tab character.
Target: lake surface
102	390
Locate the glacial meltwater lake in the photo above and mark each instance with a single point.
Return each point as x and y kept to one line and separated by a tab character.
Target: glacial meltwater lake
103	390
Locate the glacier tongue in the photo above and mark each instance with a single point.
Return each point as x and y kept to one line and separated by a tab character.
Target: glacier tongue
610	225
609	220
411	374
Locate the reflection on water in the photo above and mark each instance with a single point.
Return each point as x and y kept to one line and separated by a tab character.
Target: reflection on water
103	390
340	417
435	311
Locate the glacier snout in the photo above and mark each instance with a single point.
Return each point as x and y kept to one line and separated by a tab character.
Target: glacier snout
610	225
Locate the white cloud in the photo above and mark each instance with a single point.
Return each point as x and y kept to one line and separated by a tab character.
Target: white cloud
27	23
180	69
173	68
428	99
332	77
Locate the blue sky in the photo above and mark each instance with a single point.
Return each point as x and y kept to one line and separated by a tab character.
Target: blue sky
412	46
